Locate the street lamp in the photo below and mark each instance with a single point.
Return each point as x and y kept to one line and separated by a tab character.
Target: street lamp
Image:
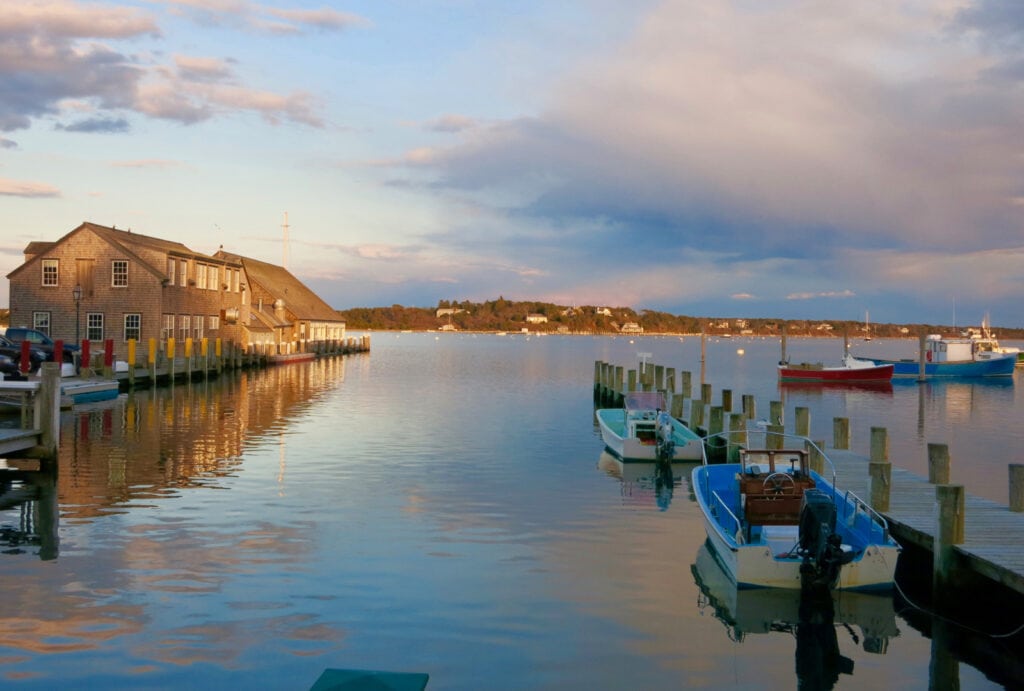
76	293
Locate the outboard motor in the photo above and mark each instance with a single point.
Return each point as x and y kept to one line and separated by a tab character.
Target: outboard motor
666	448
820	546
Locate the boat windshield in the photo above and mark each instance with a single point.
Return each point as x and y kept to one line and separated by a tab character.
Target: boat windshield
644	400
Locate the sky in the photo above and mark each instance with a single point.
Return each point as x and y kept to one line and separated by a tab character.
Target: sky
740	158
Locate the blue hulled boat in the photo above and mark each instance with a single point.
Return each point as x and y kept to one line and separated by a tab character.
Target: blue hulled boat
952	357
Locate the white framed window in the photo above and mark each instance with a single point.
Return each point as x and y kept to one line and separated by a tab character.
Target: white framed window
214	279
132	327
119	273
197	327
41	322
94	326
170	269
182	273
235	283
184	326
51	272
201	276
168	328
214	322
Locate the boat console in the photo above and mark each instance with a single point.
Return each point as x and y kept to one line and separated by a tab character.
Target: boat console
772	483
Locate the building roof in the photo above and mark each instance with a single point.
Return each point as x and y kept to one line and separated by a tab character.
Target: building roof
125	240
282	285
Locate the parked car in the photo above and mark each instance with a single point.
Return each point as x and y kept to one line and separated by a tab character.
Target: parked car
39	340
12	351
8	367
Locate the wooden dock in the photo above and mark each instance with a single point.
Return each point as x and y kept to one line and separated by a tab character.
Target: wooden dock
990	536
992	546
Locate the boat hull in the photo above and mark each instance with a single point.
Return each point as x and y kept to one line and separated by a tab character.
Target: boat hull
771	562
688	445
999	366
837	375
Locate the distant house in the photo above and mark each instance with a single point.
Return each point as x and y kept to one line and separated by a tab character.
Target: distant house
631	328
128	286
536	319
284	315
443	311
603	311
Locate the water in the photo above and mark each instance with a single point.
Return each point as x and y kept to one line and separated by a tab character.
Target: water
443	505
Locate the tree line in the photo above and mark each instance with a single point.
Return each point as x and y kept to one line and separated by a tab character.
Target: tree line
546	317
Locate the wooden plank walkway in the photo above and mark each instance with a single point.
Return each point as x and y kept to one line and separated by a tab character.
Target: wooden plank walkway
993	544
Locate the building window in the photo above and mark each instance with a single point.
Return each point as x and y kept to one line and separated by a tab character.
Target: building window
41	322
132	327
184	326
213	282
168	328
182	273
201	276
197	327
214	322
170	269
119	273
94	326
50	272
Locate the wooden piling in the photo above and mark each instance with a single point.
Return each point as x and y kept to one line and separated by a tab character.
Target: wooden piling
921	356
705	394
880	469
938	464
727	400
841	432
948	533
631	380
670	379
749	406
775	413
816	458
802	426
775	437
737	436
48	409
696	414
1017	487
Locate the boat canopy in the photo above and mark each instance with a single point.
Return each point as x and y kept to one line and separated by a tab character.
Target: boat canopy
644	400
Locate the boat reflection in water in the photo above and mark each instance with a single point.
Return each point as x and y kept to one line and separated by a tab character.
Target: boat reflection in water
812	618
645	483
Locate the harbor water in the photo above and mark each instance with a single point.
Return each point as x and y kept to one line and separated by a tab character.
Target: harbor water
444	504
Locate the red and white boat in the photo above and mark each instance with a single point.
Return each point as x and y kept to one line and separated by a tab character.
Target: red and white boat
851	371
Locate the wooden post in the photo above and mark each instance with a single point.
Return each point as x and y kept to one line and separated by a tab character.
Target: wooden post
659	377
48	409
841	432
705	394
599	368
737	436
218	353
151	361
716	420
880	469
1017	487
617	381
816	459
108	358
775	437
170	357
803	421
188	357
696	414
670	379
204	348
631	380
685	383
949	532
678	400
749	406
938	464
727	400
775	416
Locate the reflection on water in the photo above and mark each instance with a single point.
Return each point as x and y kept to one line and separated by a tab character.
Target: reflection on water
814	620
433	507
644	484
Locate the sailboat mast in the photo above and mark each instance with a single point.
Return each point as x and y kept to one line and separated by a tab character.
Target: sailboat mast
284	257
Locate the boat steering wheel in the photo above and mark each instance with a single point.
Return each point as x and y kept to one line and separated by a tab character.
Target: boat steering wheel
779	483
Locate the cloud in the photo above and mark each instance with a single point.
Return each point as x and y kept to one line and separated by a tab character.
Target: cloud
263	18
823	294
450	123
20	188
57	56
8	143
106	125
146	163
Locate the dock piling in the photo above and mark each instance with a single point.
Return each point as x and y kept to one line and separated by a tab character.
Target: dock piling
938	464
1017	487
